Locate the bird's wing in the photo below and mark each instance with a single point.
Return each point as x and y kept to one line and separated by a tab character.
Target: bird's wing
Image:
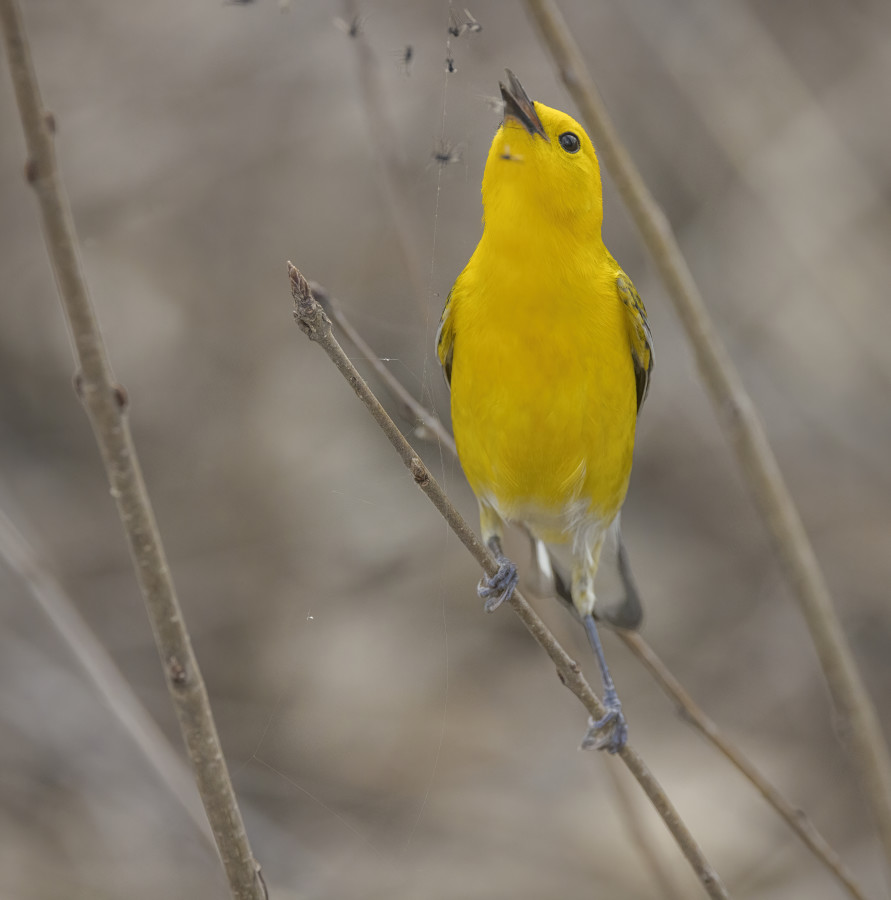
641	337
445	339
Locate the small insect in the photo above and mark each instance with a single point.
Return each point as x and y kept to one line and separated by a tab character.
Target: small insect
444	154
407	56
450	66
496	104
457	28
471	25
352	27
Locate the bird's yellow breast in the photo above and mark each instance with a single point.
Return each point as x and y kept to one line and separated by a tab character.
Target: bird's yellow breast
543	390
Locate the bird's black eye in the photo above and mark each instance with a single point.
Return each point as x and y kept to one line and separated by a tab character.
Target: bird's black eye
570	142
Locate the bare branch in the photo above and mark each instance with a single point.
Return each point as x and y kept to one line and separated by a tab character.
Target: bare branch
385	146
102	671
690	711
629	809
425	424
317	326
105	402
741	424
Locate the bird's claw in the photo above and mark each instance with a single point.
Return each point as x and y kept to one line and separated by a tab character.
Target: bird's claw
609	733
497	588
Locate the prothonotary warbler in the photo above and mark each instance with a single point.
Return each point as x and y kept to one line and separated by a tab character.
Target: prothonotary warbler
545	344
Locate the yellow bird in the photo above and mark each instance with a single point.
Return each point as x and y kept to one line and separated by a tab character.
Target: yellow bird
545	344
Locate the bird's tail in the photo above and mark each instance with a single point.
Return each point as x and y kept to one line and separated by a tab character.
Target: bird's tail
628	613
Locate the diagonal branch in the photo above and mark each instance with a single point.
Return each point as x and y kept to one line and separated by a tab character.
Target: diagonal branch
317	326
385	149
103	673
105	402
690	710
430	424
425	424
630	809
741	423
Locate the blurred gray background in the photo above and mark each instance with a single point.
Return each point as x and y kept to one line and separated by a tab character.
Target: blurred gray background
386	737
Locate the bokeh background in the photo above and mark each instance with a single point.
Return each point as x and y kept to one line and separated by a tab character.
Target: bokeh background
386	738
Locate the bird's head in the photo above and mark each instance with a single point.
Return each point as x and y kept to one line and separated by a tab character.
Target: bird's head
542	169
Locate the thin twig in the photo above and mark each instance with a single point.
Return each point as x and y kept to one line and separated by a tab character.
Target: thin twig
21	557
629	807
385	148
425	424
795	818
105	402
317	326
689	710
742	425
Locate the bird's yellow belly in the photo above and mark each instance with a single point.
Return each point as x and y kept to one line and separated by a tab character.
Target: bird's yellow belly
544	422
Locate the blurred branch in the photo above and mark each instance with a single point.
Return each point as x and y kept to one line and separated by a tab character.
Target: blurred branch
741	424
425	424
100	668
105	402
385	148
688	708
317	326
647	848
794	817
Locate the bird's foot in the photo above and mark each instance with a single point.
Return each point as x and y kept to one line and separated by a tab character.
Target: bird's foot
497	588
609	733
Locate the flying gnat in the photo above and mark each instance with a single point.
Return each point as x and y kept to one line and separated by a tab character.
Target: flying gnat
468	26
450	66
350	27
405	60
444	154
496	104
471	25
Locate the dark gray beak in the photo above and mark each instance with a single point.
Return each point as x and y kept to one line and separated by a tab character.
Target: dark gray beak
519	107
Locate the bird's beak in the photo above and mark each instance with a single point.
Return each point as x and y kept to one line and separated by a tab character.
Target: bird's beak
519	107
